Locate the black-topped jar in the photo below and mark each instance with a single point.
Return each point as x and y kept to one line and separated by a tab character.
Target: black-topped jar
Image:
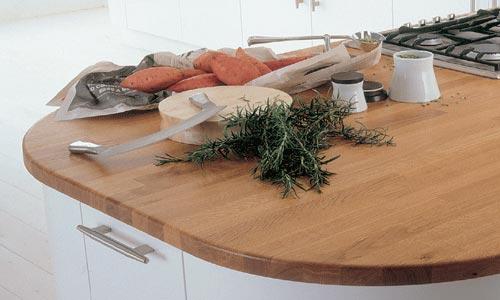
348	87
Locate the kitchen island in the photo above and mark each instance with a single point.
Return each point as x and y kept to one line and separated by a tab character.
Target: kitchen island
409	219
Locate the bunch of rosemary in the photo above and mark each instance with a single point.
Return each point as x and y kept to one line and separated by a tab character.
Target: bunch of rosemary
286	141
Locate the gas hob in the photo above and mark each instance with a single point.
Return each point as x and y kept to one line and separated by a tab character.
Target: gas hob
468	44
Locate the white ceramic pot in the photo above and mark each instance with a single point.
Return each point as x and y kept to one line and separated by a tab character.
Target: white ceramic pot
414	79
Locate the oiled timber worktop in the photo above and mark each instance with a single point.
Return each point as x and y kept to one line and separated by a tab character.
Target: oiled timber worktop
425	211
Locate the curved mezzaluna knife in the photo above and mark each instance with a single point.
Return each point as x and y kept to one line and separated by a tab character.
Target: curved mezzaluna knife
208	110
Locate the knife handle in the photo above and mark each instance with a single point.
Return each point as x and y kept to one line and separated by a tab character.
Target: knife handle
80	147
201	100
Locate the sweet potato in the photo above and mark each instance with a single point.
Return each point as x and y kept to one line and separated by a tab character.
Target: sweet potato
195	82
281	63
234	70
204	61
152	80
186	73
263	69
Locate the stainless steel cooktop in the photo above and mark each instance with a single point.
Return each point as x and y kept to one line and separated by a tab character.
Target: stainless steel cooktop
470	43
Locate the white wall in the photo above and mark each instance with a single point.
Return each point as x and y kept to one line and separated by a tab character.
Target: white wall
19	9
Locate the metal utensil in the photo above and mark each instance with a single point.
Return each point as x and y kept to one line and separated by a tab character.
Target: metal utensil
209	109
366	40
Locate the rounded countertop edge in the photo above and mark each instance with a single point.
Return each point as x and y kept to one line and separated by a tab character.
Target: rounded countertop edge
349	275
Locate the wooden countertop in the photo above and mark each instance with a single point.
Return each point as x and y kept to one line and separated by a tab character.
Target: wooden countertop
425	211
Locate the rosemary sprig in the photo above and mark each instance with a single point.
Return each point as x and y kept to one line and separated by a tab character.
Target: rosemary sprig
286	141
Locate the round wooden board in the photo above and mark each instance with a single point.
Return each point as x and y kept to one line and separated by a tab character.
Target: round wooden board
177	108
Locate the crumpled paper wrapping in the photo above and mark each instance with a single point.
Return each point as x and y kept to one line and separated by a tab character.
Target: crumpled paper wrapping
96	90
318	70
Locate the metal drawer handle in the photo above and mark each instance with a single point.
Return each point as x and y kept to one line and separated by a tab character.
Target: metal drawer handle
98	234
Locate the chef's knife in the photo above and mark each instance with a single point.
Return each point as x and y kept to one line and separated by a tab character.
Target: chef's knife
209	109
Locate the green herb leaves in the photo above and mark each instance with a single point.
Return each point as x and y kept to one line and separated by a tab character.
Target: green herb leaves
286	141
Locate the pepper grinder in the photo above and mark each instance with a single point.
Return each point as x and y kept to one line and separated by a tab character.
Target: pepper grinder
348	88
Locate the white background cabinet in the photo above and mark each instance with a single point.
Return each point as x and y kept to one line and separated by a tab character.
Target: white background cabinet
157	17
276	18
210	24
229	23
347	17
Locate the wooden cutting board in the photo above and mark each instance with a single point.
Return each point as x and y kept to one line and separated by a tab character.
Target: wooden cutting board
177	108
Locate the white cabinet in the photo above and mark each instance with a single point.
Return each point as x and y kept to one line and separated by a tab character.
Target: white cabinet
211	24
87	270
277	18
157	17
116	276
69	263
412	11
347	17
229	23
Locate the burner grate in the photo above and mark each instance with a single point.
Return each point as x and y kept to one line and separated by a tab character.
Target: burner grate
471	43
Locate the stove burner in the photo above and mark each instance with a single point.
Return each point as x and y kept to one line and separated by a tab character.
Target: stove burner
469	43
429	39
489	52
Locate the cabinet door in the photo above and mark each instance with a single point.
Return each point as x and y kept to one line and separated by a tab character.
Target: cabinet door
114	276
347	17
412	11
211	24
67	246
157	17
276	18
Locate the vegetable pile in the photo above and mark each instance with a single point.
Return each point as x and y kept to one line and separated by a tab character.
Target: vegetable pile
286	141
212	68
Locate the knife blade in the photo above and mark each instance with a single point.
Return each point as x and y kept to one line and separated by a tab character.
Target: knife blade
209	109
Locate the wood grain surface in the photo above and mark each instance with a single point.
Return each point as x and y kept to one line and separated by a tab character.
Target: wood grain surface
425	211
177	108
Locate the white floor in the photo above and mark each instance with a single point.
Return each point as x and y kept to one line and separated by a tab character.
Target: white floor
37	58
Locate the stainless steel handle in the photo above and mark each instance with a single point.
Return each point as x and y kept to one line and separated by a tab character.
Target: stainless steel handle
98	234
314	4
80	147
298	3
472	5
269	39
209	110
